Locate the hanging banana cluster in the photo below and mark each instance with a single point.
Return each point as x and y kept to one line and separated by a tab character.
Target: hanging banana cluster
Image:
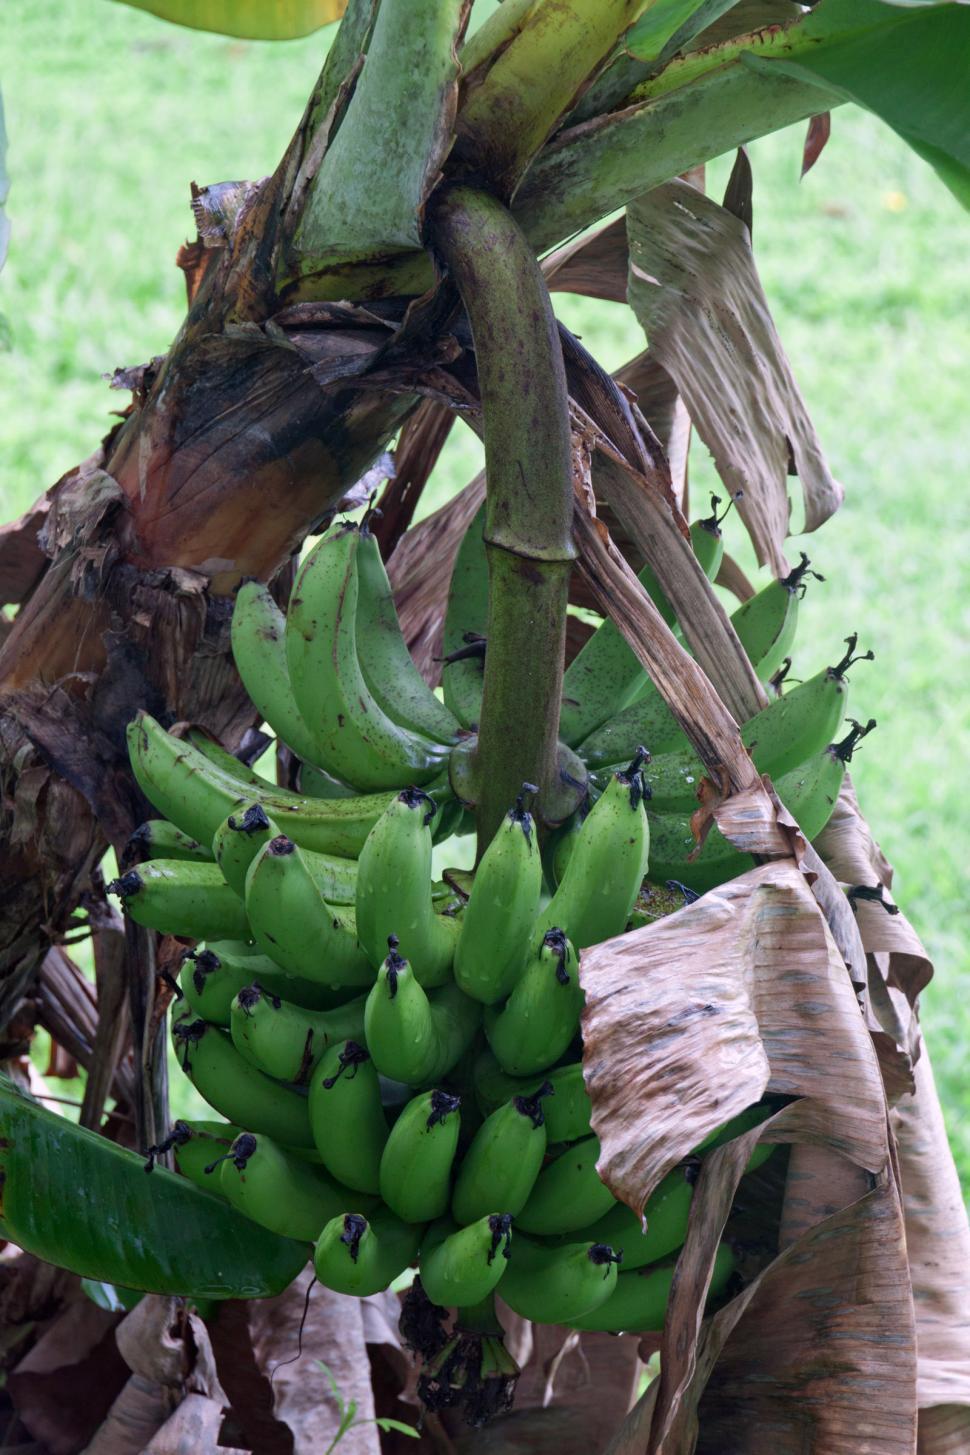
399	1062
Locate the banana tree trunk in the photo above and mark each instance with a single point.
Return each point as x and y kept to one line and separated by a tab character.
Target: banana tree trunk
236	445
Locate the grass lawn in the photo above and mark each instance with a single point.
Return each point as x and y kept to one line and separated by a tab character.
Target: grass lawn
111	113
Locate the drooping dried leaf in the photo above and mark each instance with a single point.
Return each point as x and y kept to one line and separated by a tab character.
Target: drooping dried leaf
828	1328
691	1019
420	572
695	290
415	456
686	690
665	412
733	579
595	266
21	558
303	1397
63	1388
573	1393
938	1242
896	967
638	493
168	1352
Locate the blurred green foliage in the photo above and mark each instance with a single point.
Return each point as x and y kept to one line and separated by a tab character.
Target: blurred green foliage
111	113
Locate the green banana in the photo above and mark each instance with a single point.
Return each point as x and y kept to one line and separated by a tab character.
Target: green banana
181	897
466	622
647	719
394	894
293	923
197	795
239	839
212	976
540	1019
346	1116
259	652
361	1256
558	1285
638	1304
765	626
415	1175
195	1144
208	985
415	1037
234	1088
354	738
567	1109
277	1190
752	1116
497	922
502	1162
385	661
225	762
568	1193
284	1040
606	673
780	737
606	868
808	792
462	1266
315	783
159	839
666	1213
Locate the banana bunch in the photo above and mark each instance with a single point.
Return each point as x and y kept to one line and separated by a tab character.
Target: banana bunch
397	1061
340	1004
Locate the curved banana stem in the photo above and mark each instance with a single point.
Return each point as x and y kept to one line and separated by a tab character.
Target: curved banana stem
528	521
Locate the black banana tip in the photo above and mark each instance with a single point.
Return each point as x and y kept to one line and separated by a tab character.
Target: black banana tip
281	846
840	668
355	1226
352	1056
871	894
500	1225
138	846
713	522
531	1106
797	580
254	820
603	1255
177	1137
239	1153
415	797
393	963
249	997
851	741
556	941
205	963
127	884
442	1106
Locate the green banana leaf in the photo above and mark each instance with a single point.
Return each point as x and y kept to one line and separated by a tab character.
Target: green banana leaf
83	1203
906	63
247	19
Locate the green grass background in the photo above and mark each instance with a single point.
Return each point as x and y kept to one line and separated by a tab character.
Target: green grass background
111	113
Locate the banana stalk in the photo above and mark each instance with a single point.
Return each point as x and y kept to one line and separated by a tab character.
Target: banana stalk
528	514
